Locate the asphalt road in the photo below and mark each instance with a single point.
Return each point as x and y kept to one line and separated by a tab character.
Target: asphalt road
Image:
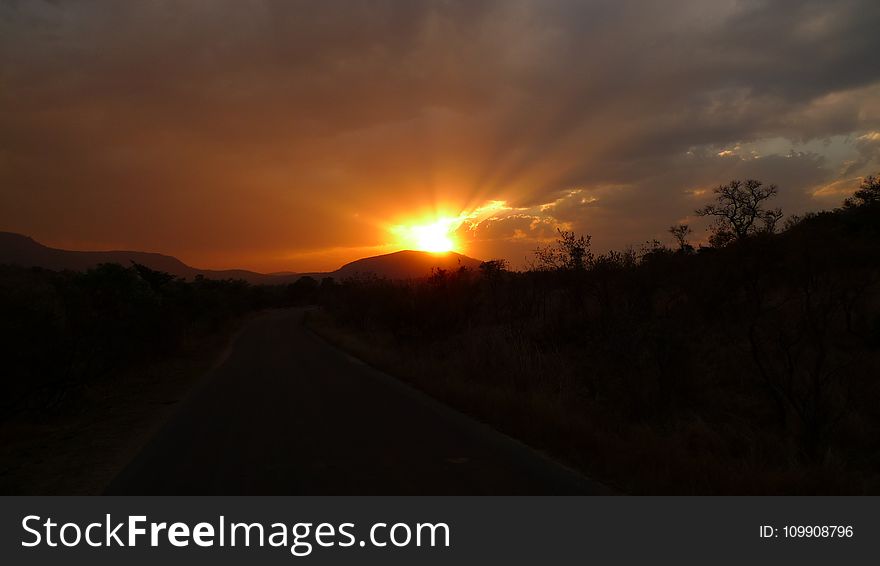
287	413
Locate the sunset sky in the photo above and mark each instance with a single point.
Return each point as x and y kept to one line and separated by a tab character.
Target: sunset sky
300	135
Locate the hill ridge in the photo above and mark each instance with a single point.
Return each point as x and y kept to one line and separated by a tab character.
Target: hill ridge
404	264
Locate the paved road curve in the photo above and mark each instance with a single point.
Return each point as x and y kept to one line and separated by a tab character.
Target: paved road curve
286	413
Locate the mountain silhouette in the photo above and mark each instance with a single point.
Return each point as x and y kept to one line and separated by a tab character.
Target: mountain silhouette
407	264
21	250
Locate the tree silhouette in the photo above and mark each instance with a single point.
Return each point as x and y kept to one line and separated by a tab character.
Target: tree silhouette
740	211
493	270
868	193
681	232
156	279
568	253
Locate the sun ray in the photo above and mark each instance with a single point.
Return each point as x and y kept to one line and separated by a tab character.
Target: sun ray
433	237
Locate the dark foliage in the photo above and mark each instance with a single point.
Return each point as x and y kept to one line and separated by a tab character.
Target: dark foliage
749	367
681	233
60	330
868	193
741	211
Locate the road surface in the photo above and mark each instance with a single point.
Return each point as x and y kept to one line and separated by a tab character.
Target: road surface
287	413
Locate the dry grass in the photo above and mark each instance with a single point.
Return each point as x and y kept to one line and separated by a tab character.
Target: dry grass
486	374
79	447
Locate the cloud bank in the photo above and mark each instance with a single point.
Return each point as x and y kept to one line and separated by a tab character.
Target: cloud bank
293	135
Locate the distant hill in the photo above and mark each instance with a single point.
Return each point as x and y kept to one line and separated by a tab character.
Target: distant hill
22	250
406	264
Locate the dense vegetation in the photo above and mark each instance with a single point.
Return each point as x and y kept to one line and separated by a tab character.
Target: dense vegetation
747	366
62	330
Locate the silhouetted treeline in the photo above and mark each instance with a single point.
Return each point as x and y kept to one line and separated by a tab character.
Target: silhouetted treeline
59	330
748	366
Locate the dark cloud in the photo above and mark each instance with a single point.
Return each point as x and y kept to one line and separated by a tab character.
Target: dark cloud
255	132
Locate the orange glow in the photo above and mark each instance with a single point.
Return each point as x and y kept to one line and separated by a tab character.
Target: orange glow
440	232
436	236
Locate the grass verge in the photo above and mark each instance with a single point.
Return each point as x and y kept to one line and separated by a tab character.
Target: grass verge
78	447
682	455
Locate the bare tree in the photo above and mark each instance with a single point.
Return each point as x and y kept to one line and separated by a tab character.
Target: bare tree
740	211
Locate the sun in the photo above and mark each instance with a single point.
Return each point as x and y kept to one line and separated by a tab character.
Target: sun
435	237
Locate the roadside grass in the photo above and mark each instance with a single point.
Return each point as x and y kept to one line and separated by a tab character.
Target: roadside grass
78	447
485	373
